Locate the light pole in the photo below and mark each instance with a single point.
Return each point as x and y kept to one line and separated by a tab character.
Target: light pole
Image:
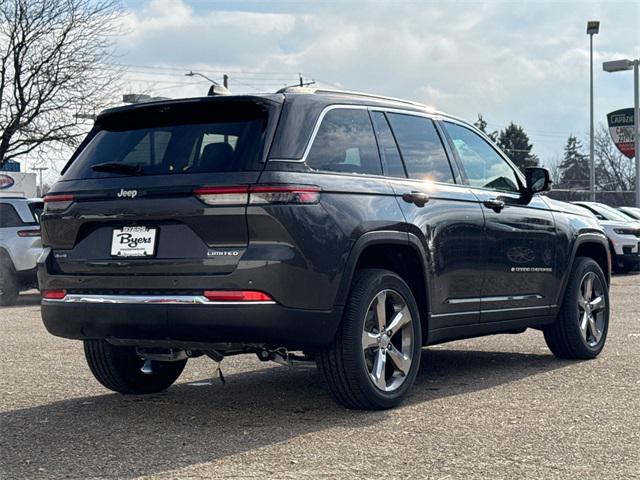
593	27
619	66
216	88
39	170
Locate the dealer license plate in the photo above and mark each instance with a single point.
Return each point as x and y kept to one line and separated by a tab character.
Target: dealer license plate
133	242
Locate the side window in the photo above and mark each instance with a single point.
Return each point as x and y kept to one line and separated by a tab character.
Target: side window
8	216
345	142
484	167
421	148
36	210
388	148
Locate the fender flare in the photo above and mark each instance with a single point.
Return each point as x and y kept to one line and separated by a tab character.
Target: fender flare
378	238
582	238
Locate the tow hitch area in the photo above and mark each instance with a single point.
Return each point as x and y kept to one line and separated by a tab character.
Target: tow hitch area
153	352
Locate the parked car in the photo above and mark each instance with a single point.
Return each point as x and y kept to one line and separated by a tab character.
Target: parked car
349	229
20	246
623	233
632	212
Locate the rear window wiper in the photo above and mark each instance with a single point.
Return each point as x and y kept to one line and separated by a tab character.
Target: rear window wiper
117	167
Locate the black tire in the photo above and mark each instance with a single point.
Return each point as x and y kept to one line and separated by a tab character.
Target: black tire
343	363
9	286
118	369
564	337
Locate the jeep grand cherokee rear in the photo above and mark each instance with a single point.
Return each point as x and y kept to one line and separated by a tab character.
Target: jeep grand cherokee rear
348	229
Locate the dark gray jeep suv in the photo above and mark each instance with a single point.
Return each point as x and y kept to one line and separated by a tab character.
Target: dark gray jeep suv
335	227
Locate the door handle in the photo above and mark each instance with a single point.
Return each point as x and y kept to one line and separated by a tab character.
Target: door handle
494	204
419	198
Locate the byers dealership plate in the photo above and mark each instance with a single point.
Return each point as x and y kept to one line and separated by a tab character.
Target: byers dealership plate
133	242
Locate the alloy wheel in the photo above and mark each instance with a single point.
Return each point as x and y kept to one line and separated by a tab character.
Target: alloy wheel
591	309
388	340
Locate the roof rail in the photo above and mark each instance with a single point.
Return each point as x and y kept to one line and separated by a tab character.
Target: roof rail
297	89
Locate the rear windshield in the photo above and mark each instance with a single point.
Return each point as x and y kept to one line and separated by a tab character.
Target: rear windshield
174	140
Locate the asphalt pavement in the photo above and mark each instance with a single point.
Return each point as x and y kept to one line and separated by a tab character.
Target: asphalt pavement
495	407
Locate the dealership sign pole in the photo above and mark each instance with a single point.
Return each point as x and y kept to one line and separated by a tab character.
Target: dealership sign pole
624	142
636	107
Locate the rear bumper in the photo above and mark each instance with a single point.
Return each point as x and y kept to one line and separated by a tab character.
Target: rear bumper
265	323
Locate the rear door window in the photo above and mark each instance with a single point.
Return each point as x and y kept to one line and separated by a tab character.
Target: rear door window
345	142
421	148
9	217
391	159
217	141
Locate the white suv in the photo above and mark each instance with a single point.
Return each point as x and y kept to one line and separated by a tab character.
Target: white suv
20	246
623	234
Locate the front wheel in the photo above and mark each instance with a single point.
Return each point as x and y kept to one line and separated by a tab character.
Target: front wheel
374	359
580	331
120	369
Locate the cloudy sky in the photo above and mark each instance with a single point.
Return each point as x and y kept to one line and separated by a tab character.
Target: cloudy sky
522	61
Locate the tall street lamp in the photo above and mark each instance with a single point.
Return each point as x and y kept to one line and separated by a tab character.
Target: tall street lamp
216	88
619	66
593	27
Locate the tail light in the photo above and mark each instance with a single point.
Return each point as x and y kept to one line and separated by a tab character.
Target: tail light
54	294
236	296
266	194
29	233
57	202
223	195
259	195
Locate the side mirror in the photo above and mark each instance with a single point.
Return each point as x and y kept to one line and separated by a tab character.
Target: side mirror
538	180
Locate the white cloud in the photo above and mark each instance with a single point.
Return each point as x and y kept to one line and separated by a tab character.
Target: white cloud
520	61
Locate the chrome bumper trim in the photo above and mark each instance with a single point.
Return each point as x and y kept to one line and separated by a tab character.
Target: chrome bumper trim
146	300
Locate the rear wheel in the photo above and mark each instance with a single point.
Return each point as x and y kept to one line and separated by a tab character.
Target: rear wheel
9	286
120	369
580	331
375	357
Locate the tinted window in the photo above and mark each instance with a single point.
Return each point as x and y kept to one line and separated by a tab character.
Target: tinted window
388	148
485	168
223	141
422	151
8	216
36	209
345	143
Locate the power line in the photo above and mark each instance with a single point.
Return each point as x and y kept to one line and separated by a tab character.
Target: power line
182	69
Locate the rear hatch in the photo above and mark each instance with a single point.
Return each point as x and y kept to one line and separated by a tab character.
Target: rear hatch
158	189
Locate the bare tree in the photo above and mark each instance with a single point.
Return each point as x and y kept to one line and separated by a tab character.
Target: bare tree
553	165
54	66
614	171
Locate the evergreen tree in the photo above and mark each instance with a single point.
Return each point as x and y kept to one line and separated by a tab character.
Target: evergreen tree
481	124
574	169
515	143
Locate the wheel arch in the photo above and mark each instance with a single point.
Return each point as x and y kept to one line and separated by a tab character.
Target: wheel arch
591	245
5	257
399	252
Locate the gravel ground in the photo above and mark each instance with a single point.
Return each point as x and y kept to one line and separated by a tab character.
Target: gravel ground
497	407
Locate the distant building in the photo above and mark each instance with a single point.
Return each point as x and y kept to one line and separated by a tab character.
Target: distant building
10	166
17	184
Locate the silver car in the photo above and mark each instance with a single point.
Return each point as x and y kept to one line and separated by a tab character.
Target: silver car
631	212
20	246
623	233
